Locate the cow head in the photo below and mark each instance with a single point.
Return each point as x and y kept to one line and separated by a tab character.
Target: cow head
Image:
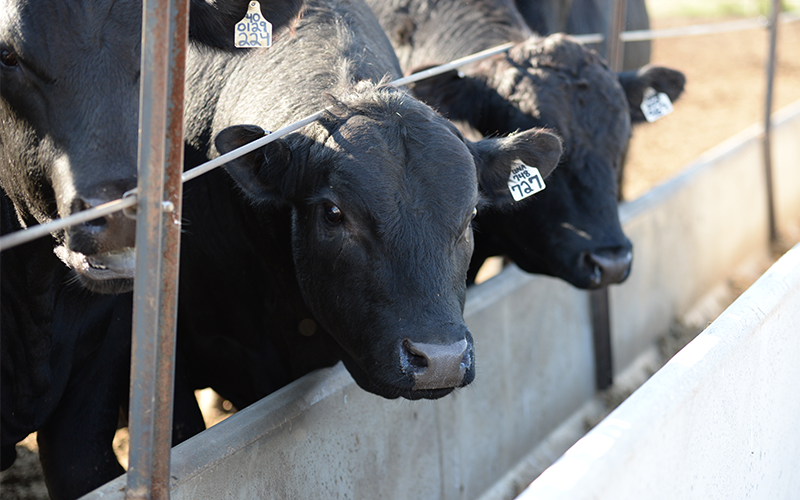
68	125
571	230
382	193
69	107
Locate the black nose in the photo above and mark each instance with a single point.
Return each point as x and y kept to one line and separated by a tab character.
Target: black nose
101	235
436	366
609	265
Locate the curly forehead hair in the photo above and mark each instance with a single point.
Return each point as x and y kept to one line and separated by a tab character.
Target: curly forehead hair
394	108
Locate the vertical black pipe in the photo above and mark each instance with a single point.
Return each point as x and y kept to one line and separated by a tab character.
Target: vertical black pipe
598	299
767	144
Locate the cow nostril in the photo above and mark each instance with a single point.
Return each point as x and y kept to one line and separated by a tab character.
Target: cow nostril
608	265
466	360
414	360
436	366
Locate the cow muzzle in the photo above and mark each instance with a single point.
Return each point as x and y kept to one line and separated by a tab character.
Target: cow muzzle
608	265
435	366
101	250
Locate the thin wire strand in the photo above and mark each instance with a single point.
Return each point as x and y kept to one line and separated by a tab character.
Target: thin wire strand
130	199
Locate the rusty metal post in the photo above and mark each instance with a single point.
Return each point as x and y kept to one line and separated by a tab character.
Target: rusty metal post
599	305
615	48
164	40
767	144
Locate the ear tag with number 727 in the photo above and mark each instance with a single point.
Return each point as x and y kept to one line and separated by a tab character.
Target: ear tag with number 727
253	30
524	181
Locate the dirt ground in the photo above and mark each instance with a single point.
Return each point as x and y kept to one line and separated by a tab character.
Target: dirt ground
724	94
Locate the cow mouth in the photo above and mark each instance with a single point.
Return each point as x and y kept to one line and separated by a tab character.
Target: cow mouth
110	272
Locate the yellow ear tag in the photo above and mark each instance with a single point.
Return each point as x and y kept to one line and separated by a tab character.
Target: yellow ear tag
253	30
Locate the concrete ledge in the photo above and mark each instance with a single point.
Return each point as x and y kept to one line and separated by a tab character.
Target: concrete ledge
718	421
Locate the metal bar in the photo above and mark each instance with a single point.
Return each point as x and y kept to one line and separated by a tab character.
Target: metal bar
601	337
695	30
438	70
615	49
33	232
23	236
598	299
173	193
164	34
773	38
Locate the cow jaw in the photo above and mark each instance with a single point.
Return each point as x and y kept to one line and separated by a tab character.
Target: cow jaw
110	272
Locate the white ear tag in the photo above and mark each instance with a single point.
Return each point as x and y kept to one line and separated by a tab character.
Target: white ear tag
655	105
524	181
253	30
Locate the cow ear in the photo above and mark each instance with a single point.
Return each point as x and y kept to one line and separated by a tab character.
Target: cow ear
495	158
262	173
214	23
666	80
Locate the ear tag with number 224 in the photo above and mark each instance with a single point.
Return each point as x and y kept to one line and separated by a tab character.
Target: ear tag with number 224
253	30
524	181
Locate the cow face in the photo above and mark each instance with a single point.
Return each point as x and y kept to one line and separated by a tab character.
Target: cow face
571	230
68	124
69	106
383	193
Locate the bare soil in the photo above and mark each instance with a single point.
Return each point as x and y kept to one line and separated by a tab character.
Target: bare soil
725	94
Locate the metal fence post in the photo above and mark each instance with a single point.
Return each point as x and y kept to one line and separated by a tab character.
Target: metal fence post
615	48
164	38
599	305
773	39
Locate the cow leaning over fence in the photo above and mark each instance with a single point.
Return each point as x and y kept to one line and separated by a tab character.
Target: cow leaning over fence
571	230
69	97
353	237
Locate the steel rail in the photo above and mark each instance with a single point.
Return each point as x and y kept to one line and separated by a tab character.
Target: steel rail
25	235
130	198
694	30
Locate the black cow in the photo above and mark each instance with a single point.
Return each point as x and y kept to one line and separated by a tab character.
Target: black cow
69	92
360	238
579	17
571	230
65	360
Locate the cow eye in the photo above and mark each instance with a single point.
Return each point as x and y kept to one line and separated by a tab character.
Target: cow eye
333	214
8	58
474	212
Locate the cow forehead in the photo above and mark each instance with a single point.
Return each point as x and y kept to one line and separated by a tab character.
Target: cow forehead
397	170
560	84
416	155
57	35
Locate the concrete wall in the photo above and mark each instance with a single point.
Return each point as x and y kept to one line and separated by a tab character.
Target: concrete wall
324	437
719	421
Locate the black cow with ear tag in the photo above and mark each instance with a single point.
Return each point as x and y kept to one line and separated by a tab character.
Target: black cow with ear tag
348	239
570	230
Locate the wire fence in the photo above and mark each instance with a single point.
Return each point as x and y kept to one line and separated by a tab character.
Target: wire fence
130	199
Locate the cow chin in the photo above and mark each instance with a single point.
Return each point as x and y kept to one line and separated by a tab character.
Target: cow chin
402	388
108	273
